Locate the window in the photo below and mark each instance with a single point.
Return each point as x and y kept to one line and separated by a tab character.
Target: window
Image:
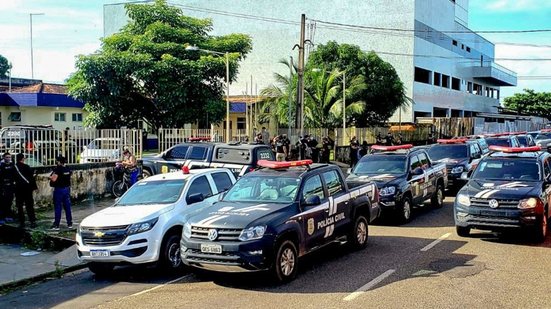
199	185
241	123
333	182
424	161
422	75
462	46
178	152
414	163
313	187
59	116
454	42
15	116
475	149
470	87
222	181
477	89
445	81
468	49
456	83
198	153
437	79
77	117
547	168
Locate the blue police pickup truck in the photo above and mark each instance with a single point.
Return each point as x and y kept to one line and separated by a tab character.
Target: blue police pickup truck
508	190
405	177
273	216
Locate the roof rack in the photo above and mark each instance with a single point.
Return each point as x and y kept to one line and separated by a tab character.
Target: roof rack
284	164
514	149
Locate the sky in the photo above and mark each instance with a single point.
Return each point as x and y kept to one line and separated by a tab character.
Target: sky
72	27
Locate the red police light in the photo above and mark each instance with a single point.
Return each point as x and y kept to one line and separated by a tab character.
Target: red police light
391	148
287	164
185	170
452	141
514	149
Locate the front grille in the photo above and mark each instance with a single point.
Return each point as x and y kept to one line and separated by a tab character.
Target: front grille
484	202
223	234
197	256
103	236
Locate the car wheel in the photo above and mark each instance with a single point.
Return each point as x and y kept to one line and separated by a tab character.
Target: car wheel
146	173
463	231
437	200
119	187
170	250
404	212
101	269
360	233
540	230
285	264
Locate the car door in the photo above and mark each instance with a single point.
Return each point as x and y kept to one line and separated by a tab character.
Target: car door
202	185
173	159
429	187
416	181
196	157
313	218
222	181
339	208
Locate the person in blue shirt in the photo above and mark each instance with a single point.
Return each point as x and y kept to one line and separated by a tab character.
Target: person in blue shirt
60	180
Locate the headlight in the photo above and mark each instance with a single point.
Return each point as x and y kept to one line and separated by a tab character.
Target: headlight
463	199
142	226
255	232
458	169
528	203
187	230
386	191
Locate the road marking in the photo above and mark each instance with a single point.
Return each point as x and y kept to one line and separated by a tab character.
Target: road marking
436	242
369	285
158	286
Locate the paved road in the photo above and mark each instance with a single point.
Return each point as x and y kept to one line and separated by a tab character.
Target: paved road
418	265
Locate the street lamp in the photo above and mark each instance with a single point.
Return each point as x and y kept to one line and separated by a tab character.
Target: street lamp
32	56
227	57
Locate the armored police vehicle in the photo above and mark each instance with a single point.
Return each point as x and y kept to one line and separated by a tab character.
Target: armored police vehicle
508	190
272	217
405	177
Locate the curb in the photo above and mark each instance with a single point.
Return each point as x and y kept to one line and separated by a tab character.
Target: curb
39	278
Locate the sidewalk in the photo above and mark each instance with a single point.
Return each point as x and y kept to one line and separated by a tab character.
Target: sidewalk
20	265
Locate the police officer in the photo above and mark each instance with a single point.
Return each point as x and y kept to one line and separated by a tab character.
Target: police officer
60	179
24	187
7	181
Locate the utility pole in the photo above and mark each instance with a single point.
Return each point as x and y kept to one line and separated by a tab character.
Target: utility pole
252	104
290	97
300	87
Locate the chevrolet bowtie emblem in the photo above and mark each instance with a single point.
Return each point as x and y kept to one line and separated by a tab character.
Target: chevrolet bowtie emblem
99	234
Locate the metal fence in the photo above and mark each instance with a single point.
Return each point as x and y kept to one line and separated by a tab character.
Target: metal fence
42	145
171	137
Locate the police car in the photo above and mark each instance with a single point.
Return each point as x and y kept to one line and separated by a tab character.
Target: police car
405	177
502	139
459	156
508	190
272	217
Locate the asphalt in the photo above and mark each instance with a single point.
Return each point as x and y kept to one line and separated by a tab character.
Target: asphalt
418	265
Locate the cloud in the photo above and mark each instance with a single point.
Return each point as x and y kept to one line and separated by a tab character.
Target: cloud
512	5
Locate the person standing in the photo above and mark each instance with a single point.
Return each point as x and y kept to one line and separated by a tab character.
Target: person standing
389	139
25	184
60	179
354	147
280	148
364	149
325	149
130	163
265	136
313	145
379	139
287	144
7	180
399	139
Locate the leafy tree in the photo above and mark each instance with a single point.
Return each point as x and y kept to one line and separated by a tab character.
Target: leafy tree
275	106
384	91
530	102
144	72
4	66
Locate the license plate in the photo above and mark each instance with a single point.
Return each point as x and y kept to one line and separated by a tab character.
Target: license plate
99	253
211	248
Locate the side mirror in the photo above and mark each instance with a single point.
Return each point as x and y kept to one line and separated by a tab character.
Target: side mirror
416	172
312	201
477	156
195	198
465	176
349	171
222	194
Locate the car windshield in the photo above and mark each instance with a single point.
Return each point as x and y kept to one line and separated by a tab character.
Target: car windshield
543	136
379	164
439	152
498	142
263	188
153	192
522	140
508	169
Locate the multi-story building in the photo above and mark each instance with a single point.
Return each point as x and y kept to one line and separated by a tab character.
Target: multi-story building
447	69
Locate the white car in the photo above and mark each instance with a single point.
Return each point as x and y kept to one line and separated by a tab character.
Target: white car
145	224
102	150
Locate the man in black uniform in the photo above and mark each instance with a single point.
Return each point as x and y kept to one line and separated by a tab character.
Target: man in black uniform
389	139
60	179
325	149
7	181
313	145
354	147
24	187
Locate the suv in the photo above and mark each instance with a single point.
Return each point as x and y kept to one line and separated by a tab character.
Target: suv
508	190
504	140
272	217
405	177
240	158
459	155
145	224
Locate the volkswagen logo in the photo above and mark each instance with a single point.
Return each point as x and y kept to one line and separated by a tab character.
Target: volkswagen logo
493	204
213	234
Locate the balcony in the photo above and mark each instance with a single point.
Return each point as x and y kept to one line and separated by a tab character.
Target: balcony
494	74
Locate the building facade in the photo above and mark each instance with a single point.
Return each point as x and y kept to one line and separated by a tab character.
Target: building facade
447	69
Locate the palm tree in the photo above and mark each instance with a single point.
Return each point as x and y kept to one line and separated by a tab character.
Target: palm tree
278	96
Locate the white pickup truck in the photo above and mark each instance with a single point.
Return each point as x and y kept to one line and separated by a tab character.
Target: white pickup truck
145	224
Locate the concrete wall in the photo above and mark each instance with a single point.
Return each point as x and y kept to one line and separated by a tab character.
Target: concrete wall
42	116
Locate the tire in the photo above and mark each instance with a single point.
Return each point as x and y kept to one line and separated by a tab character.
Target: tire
118	188
437	201
463	231
101	269
359	235
405	210
146	173
285	265
170	253
540	230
